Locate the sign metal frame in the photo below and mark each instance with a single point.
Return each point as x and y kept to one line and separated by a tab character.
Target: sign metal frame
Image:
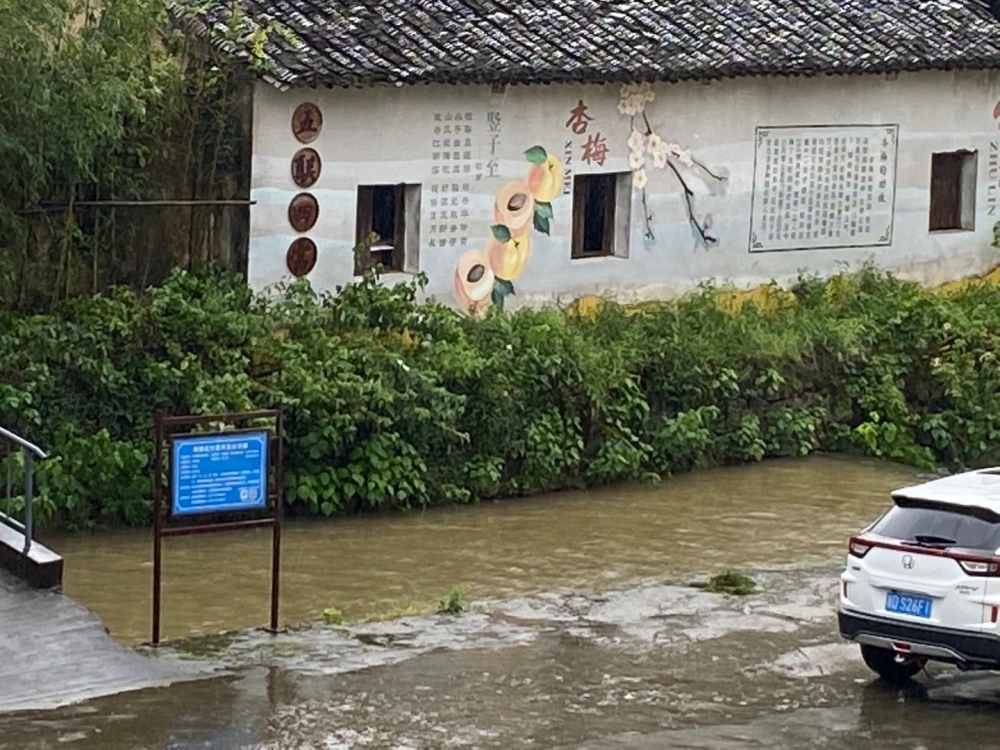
167	523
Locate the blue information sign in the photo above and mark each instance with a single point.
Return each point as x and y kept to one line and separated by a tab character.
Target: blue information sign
218	472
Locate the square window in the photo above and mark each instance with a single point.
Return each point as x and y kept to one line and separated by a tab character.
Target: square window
953	191
602	206
392	214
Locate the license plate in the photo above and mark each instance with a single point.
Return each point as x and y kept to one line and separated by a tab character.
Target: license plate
908	604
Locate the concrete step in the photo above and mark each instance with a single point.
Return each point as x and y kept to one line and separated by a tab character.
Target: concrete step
40	568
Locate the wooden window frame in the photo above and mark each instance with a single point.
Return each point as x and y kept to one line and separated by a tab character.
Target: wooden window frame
580	203
394	260
952	192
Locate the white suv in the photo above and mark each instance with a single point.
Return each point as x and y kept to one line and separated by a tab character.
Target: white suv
923	582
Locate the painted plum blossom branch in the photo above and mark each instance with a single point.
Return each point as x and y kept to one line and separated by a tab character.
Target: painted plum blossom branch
633	101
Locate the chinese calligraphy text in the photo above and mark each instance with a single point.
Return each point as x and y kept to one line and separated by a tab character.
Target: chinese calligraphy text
306	167
595	150
307	122
821	187
578	118
303	212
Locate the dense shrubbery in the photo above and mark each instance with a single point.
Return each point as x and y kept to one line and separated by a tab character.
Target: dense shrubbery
393	403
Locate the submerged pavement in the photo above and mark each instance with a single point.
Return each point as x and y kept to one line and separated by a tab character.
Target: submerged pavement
54	652
652	666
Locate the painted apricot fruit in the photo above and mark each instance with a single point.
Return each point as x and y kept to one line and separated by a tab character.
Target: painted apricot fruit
474	280
508	259
545	181
514	207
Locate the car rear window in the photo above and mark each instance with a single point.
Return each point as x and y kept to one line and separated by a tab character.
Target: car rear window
907	522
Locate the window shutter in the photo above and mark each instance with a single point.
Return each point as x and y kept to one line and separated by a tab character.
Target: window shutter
946	185
363	261
579	215
399	228
609	184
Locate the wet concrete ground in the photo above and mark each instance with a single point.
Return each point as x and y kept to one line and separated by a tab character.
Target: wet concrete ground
54	651
655	665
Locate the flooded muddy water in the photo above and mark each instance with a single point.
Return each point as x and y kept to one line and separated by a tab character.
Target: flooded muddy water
582	633
651	666
776	513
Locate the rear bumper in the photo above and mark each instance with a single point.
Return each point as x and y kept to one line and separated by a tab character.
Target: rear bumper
943	644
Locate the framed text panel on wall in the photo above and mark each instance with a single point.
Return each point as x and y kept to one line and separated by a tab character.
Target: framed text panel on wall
823	186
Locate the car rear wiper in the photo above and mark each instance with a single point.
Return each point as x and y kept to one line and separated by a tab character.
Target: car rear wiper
933	540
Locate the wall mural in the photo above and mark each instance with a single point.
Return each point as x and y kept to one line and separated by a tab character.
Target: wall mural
484	278
645	142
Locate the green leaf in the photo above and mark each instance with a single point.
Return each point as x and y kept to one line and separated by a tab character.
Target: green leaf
501	289
541	224
536	155
544	209
497	298
500	233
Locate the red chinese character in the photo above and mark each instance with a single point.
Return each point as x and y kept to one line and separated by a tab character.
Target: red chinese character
595	149
578	119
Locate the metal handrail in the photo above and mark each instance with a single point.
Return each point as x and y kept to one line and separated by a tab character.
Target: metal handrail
29	451
22	442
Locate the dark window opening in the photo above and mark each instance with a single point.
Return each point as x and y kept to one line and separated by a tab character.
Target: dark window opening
381	212
953	191
594	200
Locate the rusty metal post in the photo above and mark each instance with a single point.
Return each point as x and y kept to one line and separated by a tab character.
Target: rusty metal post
157	540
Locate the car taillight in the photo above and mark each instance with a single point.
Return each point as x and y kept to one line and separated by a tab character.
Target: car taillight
980	567
858	548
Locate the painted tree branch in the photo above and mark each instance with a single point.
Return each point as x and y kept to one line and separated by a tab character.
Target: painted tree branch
666	155
688	195
649	218
709	172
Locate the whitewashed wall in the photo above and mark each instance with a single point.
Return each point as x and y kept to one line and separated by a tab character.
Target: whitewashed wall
385	135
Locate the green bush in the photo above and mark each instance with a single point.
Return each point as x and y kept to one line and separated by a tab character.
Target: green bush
396	403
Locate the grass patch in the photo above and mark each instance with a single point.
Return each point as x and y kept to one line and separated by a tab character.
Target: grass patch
729	582
454	602
333	616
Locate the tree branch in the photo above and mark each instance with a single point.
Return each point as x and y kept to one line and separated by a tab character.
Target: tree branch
706	238
688	195
708	171
649	218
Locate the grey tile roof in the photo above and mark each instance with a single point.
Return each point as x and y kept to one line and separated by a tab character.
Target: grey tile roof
363	42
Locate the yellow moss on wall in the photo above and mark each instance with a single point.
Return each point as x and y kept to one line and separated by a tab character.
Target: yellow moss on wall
766	297
991	277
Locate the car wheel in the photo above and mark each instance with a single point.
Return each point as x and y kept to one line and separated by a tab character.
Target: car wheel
883	662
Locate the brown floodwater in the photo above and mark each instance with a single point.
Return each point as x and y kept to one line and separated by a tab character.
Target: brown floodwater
778	513
583	634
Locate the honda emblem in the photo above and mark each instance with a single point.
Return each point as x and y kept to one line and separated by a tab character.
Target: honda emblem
908	562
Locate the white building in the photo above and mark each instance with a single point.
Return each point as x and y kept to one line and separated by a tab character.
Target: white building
503	152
